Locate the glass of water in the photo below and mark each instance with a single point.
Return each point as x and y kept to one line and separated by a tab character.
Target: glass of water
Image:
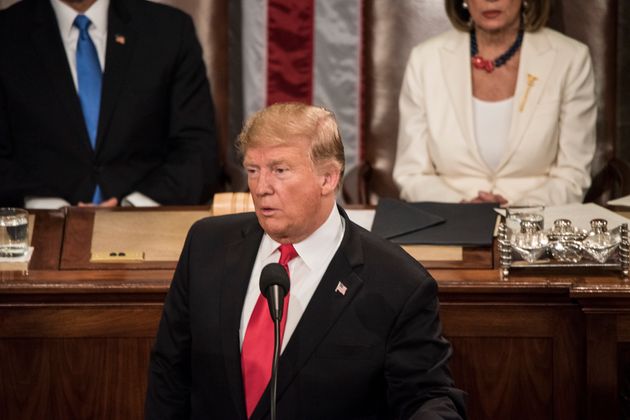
13	232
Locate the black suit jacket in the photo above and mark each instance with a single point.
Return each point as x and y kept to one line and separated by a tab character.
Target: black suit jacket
375	352
156	129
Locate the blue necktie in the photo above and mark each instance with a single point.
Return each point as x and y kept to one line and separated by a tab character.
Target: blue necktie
89	78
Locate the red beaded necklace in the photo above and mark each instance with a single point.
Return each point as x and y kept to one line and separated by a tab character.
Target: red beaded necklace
489	65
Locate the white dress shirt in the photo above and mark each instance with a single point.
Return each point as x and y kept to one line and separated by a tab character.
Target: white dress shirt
97	13
306	271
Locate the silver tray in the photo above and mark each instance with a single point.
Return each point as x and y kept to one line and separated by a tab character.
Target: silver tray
619	260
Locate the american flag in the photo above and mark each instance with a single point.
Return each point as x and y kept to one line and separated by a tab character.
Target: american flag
306	51
341	288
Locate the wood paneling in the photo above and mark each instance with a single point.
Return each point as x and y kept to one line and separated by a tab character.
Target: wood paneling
79	321
601	370
75	361
47	239
624	380
503	352
623	327
497	372
73	378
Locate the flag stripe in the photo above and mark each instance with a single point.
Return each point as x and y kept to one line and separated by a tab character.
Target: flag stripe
308	51
290	51
254	54
361	82
337	67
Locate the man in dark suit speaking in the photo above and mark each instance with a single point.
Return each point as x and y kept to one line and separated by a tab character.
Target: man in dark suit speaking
103	101
362	337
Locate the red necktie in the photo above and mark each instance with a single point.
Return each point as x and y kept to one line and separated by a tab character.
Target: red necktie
257	350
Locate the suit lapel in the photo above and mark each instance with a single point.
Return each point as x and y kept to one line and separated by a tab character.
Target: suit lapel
455	59
233	290
537	60
121	41
320	315
47	41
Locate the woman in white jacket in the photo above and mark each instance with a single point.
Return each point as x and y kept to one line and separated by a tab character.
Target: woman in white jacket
499	109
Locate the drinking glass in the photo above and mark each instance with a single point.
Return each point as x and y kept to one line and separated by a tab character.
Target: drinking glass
13	232
515	215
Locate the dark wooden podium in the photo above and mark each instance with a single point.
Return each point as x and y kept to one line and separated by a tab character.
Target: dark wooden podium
75	336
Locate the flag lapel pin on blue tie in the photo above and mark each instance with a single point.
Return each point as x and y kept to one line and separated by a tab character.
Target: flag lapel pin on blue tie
120	39
341	288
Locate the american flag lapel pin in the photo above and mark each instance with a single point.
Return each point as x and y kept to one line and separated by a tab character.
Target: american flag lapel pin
120	39
341	288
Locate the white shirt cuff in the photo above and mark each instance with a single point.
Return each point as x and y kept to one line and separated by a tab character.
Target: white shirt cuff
46	203
136	199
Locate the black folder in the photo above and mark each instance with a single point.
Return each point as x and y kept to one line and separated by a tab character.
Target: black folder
429	223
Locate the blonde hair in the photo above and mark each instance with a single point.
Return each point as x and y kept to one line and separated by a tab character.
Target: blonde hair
535	15
283	123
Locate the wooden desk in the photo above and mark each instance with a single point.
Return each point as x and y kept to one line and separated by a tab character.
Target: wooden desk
75	342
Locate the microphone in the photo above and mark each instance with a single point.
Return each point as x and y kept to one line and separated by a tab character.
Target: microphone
274	285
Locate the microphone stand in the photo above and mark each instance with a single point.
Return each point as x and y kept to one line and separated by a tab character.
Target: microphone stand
274	367
274	285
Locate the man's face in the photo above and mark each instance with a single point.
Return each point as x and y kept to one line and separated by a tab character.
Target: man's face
291	197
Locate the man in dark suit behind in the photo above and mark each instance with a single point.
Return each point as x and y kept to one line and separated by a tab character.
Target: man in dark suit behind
362	337
154	142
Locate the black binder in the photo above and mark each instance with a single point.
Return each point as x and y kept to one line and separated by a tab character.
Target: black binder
429	223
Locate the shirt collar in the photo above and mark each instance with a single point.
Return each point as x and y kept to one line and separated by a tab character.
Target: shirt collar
97	14
310	249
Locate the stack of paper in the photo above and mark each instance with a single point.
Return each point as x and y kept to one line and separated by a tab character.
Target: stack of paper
621	201
582	214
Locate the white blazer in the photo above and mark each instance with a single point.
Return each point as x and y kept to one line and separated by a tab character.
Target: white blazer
551	141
